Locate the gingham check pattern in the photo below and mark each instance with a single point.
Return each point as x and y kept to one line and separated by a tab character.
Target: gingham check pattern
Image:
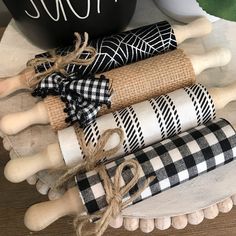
83	96
172	161
120	49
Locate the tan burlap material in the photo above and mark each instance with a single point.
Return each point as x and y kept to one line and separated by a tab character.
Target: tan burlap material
55	109
136	82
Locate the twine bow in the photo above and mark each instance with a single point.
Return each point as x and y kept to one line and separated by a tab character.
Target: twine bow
83	96
93	154
58	63
114	195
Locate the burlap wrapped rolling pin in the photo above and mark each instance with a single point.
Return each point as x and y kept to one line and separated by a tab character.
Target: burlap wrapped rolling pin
111	52
103	193
143	80
141	124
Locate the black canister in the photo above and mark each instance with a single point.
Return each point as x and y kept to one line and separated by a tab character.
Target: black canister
52	23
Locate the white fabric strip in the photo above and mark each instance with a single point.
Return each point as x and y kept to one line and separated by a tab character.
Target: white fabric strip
70	148
186	110
145	123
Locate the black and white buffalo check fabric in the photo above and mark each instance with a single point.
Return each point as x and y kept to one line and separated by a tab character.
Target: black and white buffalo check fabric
172	161
120	49
83	96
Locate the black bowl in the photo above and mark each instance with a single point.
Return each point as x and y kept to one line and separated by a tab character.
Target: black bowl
52	23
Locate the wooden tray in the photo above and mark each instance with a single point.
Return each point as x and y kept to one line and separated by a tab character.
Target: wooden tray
184	201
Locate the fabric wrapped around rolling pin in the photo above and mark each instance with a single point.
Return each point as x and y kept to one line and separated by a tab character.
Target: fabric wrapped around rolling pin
172	161
120	49
143	123
132	84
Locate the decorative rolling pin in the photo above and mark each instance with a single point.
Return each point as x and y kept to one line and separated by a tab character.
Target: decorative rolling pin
145	80
142	125
104	192
112	52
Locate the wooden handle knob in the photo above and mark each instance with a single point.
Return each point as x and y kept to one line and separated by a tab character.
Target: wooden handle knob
16	122
211	212
20	169
198	28
41	215
224	95
214	58
163	223
131	224
117	222
11	84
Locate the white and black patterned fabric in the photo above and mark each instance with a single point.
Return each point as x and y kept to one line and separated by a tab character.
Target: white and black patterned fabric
121	49
83	96
150	121
172	161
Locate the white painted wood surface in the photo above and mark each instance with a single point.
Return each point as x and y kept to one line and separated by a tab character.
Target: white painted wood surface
187	198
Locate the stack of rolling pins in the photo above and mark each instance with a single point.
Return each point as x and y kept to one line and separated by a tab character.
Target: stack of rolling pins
131	122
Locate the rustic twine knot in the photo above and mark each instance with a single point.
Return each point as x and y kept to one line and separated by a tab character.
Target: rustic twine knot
60	62
114	196
92	154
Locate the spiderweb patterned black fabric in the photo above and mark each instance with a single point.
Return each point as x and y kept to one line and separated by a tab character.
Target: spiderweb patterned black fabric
120	49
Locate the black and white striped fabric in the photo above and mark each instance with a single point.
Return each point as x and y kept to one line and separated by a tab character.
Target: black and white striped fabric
148	122
83	96
172	161
121	49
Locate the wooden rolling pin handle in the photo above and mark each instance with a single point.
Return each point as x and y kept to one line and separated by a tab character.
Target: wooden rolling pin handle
17	170
41	215
198	28
11	84
214	58
16	122
223	96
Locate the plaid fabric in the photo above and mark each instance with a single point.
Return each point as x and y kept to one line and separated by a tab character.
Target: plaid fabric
83	96
120	49
172	161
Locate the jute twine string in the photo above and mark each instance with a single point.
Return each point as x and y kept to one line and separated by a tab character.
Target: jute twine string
93	155
114	195
60	62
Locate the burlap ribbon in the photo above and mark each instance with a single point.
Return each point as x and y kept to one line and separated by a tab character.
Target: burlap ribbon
93	154
114	197
60	62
